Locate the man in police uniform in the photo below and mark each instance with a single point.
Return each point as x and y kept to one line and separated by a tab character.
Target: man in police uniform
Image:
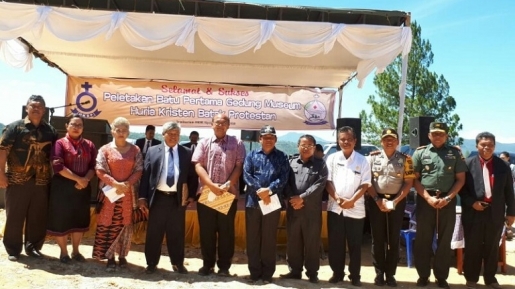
392	178
440	171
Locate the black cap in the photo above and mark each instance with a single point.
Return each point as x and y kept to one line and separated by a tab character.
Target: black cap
438	127
389	132
267	129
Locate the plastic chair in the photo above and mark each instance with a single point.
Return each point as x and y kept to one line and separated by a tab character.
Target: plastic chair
409	236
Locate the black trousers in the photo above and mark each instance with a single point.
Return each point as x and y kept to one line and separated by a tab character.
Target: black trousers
426	227
303	246
261	234
386	229
216	228
342	232
166	218
27	203
482	245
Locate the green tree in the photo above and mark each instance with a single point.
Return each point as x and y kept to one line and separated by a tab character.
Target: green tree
427	94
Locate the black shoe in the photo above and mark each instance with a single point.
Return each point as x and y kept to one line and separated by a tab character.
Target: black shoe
313	279
391	282
65	259
355	281
267	281
224	273
204	271
291	275
34	253
13	258
379	280
252	279
180	269
151	269
111	265
422	282
335	279
442	283
122	263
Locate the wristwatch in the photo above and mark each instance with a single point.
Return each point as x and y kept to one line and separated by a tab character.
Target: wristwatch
338	201
447	199
376	198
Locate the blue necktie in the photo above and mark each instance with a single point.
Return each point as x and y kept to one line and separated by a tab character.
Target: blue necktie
170	173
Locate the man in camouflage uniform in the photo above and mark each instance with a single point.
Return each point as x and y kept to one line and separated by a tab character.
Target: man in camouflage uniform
440	171
392	178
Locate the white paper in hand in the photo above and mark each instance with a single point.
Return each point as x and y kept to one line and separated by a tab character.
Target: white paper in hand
110	193
274	205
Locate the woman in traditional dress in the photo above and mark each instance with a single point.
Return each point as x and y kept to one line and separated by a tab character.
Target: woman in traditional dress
119	166
73	160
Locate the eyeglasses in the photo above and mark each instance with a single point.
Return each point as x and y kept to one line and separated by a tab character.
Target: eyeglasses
121	131
307	147
222	123
75	125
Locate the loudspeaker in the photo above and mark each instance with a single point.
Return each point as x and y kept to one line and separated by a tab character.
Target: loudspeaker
46	116
355	123
250	135
419	130
97	131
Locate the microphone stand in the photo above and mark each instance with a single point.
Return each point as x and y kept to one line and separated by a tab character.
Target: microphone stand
52	109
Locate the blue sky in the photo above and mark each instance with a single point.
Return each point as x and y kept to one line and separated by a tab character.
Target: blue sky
473	43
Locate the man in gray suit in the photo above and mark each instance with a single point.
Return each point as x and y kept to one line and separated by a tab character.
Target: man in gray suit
164	195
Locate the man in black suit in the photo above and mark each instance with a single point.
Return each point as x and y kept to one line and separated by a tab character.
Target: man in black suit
308	176
164	195
148	141
194	136
487	203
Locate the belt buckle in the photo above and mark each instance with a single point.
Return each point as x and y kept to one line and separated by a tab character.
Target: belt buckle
437	193
387	196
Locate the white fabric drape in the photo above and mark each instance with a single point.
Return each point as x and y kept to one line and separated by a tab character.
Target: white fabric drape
376	46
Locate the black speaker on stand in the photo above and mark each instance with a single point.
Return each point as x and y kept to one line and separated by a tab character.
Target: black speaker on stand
355	123
419	130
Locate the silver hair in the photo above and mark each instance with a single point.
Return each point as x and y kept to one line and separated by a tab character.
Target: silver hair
171	125
120	121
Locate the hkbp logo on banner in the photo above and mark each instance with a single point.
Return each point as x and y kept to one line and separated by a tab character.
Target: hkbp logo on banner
84	98
315	112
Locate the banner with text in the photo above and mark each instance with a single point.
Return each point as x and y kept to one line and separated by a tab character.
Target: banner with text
194	104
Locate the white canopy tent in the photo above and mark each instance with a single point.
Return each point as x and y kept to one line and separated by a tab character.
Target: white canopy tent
114	44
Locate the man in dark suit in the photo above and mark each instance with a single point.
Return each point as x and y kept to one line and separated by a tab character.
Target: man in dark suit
194	136
487	203
308	176
148	141
164	196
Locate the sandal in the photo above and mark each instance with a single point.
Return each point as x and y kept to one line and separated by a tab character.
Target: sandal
65	259
122	262
111	265
78	257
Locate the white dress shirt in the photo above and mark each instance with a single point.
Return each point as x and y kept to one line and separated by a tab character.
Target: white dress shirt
161	185
347	175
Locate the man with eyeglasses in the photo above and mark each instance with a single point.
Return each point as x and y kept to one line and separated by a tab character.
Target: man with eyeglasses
392	178
25	148
218	159
308	177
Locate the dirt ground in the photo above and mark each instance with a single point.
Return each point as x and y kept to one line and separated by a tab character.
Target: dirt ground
50	273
